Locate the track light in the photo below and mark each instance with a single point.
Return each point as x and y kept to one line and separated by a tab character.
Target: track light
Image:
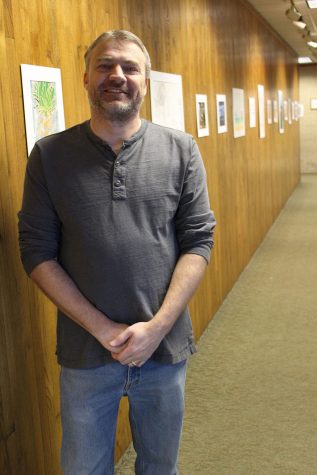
292	13
300	23
306	34
295	16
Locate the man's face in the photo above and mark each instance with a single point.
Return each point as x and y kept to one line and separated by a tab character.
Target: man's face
115	80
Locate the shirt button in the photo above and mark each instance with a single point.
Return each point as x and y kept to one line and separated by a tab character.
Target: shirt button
117	183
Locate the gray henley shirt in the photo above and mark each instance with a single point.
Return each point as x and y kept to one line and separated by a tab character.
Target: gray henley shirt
117	224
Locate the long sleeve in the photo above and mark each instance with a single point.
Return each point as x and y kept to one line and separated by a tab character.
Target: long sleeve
195	221
39	225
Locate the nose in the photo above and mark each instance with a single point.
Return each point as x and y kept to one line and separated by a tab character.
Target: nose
116	73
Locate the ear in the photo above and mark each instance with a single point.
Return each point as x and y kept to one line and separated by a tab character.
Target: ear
147	82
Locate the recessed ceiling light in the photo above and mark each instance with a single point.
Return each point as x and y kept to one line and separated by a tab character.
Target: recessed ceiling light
304	60
312	3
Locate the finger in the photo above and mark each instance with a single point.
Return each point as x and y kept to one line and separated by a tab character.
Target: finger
117	349
122	338
123	358
128	359
135	363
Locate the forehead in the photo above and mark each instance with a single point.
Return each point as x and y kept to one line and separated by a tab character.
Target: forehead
123	50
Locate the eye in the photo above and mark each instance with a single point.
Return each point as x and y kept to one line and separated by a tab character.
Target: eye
131	68
104	67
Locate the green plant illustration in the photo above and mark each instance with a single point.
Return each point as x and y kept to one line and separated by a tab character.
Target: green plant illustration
44	105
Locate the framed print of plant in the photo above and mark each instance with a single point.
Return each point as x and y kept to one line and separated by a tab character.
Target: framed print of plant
43	102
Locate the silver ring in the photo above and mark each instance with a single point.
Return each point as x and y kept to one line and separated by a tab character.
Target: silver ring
132	364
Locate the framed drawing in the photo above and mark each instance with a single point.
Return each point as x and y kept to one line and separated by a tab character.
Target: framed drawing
289	112
202	115
261	111
167	100
286	110
269	111
275	111
297	110
293	110
43	102
280	111
238	112
301	110
221	104
252	113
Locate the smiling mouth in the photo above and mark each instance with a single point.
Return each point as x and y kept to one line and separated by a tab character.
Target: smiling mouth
114	91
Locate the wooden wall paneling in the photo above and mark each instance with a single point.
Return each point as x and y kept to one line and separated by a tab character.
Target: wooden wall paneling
33	410
9	450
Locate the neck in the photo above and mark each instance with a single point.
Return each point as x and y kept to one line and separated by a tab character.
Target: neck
114	133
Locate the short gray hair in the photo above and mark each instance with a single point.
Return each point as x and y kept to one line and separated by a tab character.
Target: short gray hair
120	35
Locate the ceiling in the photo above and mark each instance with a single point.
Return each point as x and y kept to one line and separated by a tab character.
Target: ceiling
273	12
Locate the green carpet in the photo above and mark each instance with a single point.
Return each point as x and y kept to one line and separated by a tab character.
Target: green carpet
251	394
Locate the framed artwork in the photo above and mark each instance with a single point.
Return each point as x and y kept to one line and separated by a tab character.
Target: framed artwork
275	111
167	100
280	111
269	111
238	112
221	105
289	111
261	111
43	102
202	115
293	110
297	110
301	110
286	110
252	113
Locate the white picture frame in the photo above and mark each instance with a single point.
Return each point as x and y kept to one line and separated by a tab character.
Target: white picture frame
238	113
222	120
43	102
252	112
269	111
261	107
166	93
301	110
297	110
289	111
286	110
293	110
202	115
275	111
280	111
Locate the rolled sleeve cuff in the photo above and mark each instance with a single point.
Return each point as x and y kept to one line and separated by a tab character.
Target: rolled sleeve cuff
203	250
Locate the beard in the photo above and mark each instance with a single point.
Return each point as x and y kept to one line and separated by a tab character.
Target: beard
115	111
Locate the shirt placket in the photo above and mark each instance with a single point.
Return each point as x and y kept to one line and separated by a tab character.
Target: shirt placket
119	191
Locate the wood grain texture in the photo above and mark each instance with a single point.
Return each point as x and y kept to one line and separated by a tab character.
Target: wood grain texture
215	46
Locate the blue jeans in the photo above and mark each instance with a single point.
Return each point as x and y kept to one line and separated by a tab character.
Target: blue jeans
89	407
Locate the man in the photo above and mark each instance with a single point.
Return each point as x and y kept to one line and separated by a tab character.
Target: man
116	229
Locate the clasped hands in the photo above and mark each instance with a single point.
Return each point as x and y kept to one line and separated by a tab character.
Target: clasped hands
136	344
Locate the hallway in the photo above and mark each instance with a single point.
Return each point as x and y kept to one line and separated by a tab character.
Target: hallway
251	400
